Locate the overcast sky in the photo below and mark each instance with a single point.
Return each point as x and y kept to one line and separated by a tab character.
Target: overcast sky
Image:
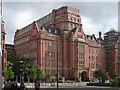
95	16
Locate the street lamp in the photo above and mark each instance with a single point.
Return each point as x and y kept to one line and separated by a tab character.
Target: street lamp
22	71
57	65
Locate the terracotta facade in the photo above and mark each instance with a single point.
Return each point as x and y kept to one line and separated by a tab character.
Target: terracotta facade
4	53
79	54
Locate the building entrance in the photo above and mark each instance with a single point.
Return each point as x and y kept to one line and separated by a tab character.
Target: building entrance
84	76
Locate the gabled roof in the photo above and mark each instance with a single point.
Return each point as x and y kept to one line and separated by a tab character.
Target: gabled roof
72	32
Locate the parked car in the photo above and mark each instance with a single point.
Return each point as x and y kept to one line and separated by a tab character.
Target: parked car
7	86
68	81
60	81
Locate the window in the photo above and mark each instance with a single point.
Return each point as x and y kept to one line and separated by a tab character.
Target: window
92	51
45	54
71	26
79	30
96	59
52	46
49	30
79	64
92	58
89	51
45	72
97	66
74	20
60	73
83	64
45	62
78	20
55	31
102	66
54	54
64	18
89	65
71	19
89	58
96	51
48	53
51	54
64	26
83	55
48	71
74	25
67	73
48	45
92	65
60	55
60	64
48	63
79	55
78	36
54	72
54	63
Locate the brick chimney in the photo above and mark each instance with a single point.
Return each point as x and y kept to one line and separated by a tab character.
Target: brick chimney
100	34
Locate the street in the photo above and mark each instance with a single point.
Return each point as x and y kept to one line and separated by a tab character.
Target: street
71	86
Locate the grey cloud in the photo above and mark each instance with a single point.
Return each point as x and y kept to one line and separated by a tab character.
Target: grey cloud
98	13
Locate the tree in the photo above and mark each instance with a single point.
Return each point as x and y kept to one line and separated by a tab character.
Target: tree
32	73
99	74
42	76
25	67
48	76
38	73
9	74
111	74
57	76
17	66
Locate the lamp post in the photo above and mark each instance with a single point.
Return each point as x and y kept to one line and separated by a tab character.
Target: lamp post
57	65
42	55
22	71
45	70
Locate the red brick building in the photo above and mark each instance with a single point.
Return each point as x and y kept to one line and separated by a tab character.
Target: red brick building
112	44
78	54
4	53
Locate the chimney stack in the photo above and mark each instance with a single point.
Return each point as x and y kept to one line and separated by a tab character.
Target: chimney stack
100	34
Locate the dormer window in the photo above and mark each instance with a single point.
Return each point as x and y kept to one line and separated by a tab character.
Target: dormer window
71	19
49	30
74	19
89	38
43	28
79	30
64	18
55	31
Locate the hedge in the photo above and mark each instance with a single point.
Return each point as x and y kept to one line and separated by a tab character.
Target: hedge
98	84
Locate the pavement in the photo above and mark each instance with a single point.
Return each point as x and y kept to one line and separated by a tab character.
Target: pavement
76	85
65	85
48	85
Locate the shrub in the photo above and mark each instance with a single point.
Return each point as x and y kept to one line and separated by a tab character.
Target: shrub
98	84
115	83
